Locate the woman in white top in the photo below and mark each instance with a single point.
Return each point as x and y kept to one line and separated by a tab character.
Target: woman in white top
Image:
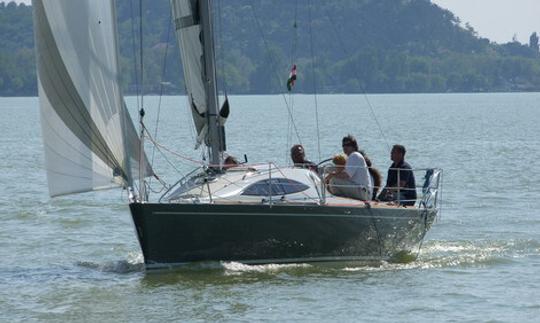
354	181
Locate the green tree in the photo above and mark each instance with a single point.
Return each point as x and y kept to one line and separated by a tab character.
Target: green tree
359	45
533	41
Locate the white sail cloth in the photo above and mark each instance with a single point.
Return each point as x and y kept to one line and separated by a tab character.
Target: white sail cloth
187	22
188	31
90	141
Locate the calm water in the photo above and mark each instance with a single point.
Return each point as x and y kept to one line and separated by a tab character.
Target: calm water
76	258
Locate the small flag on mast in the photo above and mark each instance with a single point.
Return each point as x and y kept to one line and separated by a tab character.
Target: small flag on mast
292	78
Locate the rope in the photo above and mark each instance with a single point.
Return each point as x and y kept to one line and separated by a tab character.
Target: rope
221	47
272	62
313	68
141	108
158	145
141	51
134	48
149	187
294	45
295	38
163	183
347	52
170	163
289	130
163	71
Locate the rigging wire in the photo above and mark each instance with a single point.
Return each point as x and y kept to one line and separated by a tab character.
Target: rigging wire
272	62
135	55
221	54
295	38
158	146
143	195
172	152
293	57
141	51
362	88
313	68
162	78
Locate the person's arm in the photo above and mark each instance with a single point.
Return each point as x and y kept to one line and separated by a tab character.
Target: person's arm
341	174
404	174
351	167
338	172
387	186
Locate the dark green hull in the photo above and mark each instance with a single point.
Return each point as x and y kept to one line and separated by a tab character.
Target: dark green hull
174	234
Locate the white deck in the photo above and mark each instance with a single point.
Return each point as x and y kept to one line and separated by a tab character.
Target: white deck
229	188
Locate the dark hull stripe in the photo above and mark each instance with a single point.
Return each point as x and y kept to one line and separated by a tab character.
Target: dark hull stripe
416	214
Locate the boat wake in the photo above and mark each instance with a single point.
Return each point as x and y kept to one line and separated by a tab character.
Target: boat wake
445	254
133	263
433	255
118	267
236	268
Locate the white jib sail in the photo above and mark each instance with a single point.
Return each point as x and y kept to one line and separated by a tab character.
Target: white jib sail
90	141
188	32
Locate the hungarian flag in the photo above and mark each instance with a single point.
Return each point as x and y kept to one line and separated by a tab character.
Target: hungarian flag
292	78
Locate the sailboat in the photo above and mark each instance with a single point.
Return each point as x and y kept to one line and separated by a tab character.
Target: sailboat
253	214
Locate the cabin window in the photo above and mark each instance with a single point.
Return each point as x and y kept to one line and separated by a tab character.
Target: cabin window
278	186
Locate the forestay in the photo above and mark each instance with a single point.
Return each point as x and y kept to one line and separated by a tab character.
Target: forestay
89	138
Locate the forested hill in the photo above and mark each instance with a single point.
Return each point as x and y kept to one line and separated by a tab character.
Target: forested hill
353	45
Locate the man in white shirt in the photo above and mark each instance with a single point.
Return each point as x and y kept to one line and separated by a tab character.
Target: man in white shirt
354	180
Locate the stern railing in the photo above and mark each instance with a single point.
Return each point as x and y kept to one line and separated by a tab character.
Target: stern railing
428	189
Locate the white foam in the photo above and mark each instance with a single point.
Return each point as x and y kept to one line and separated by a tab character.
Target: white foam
236	267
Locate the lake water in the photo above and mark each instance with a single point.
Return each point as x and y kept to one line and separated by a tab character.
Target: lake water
76	258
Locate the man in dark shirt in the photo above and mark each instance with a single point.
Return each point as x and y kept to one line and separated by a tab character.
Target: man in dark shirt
404	190
298	156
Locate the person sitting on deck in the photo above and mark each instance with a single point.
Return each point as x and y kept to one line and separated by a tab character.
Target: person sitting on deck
339	160
230	162
298	156
354	181
400	182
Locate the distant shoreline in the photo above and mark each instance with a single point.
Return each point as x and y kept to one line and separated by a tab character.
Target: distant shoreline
398	51
310	94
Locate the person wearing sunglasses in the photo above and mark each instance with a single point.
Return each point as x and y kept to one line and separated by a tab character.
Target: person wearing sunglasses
354	181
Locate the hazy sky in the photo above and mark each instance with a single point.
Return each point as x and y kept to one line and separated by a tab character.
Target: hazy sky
497	20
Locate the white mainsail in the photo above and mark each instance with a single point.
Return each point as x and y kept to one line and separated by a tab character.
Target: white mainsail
188	31
89	138
192	21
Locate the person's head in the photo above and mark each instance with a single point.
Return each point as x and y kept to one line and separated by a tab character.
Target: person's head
397	155
349	144
230	162
298	155
339	160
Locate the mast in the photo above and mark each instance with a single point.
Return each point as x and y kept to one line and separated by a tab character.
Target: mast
214	134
